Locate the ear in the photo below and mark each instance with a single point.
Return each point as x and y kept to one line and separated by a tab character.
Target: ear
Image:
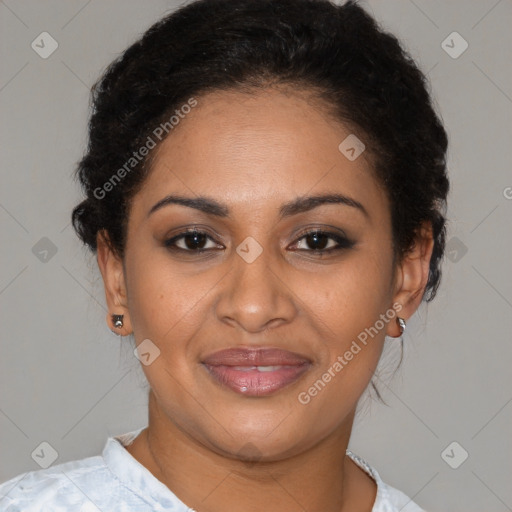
411	276
111	268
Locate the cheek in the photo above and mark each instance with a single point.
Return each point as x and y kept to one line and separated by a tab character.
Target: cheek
164	301
351	297
347	306
168	307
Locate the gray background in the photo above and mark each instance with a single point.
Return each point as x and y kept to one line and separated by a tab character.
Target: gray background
67	380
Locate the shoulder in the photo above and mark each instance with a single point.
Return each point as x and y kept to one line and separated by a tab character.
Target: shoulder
388	498
396	500
70	486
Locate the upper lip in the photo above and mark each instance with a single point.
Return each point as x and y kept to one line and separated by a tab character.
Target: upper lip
242	356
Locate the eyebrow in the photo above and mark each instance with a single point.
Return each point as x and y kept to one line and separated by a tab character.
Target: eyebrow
299	205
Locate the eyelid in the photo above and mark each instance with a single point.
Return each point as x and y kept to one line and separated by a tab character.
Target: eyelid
342	240
170	242
325	229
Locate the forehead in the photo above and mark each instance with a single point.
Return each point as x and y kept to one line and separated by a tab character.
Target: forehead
255	151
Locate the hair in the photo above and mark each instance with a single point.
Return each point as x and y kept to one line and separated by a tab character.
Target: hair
338	52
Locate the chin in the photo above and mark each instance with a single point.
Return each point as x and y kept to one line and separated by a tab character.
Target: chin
256	438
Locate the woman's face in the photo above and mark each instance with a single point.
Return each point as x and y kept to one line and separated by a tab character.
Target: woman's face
260	283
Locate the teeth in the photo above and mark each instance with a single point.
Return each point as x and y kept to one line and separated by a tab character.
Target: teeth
259	368
268	368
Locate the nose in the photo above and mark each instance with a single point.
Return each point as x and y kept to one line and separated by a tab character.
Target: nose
255	296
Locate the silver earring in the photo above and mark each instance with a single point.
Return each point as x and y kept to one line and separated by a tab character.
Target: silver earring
117	321
401	324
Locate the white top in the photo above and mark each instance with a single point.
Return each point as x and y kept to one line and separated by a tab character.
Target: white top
116	482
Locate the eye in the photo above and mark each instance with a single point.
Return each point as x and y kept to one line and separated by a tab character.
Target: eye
191	240
315	241
322	242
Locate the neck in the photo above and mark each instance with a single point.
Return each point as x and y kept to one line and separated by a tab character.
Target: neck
322	478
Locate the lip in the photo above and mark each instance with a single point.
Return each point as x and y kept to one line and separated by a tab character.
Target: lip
237	369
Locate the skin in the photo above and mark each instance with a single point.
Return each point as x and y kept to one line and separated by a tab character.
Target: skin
253	153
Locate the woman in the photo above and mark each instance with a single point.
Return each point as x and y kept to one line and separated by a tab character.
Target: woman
265	184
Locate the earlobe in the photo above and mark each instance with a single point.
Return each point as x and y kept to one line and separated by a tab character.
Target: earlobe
111	268
119	324
412	274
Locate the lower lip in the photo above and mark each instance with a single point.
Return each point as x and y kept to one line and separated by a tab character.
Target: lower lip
252	382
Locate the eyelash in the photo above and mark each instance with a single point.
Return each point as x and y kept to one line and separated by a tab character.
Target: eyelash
343	242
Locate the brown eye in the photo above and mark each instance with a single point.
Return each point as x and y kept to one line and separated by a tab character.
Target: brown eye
190	241
322	241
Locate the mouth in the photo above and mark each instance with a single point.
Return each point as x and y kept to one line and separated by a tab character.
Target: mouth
256	372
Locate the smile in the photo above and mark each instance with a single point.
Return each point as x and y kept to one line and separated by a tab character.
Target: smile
256	372
257	380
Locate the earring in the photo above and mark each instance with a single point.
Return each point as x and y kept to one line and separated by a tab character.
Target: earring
117	320
401	324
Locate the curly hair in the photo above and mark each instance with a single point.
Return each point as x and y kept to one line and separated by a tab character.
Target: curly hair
338	52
